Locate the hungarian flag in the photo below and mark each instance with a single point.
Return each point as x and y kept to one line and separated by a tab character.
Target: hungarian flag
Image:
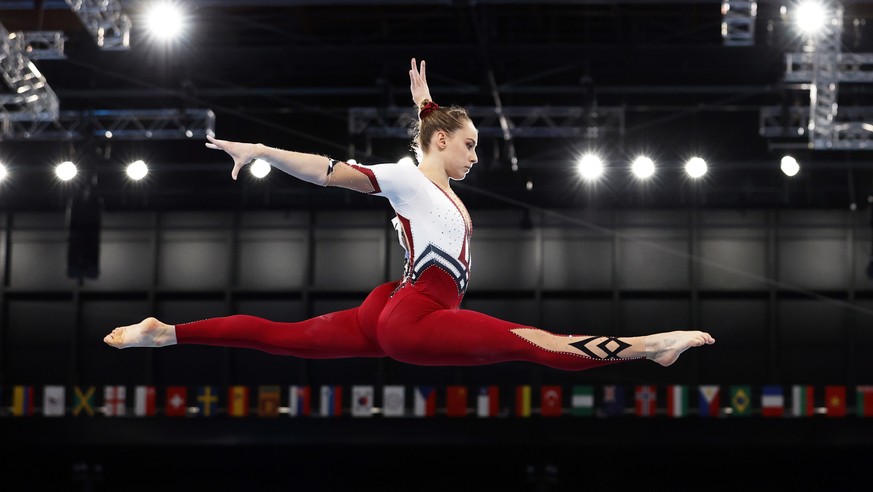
331	402
582	403
53	401
424	404
677	400
238	401
488	401
772	401
835	401
709	401
268	401
83	401
144	401
177	401
864	399
456	401
802	401
646	400
394	400
522	401
207	401
741	401
299	401
551	401
613	400
114	401
362	401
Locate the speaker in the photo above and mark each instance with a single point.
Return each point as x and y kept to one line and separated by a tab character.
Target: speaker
83	236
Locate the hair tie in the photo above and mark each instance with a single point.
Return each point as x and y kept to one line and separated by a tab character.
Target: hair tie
427	107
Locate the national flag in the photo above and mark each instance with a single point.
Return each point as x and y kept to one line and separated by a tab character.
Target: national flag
677	400
709	403
802	400
864	400
741	401
835	401
456	401
582	403
53	401
522	401
144	401
177	401
394	400
613	400
207	400
645	400
238	401
425	401
488	401
83	401
362	401
551	401
772	401
268	400
114	401
331	401
22	401
299	401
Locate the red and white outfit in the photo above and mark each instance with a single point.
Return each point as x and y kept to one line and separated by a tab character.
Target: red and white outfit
416	320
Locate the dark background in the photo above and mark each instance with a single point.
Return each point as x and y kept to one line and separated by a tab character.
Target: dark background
782	282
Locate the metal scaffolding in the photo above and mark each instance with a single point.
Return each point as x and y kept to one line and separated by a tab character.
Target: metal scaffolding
738	22
31	99
106	21
519	121
125	124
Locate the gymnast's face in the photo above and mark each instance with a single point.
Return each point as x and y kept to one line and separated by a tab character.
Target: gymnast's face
461	151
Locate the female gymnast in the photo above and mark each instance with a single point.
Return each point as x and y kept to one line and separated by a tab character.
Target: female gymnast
418	319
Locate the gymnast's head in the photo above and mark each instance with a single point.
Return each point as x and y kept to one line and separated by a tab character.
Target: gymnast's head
447	136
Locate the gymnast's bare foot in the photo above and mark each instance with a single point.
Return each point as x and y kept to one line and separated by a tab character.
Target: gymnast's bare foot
147	333
665	348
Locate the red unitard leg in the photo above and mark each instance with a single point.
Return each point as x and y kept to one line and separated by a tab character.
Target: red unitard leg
349	333
421	326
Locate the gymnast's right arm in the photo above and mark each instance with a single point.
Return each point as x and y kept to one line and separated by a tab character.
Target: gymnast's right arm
389	180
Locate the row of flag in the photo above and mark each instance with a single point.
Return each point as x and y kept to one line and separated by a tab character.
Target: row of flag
455	401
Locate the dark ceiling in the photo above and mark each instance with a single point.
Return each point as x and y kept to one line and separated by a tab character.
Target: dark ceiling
286	73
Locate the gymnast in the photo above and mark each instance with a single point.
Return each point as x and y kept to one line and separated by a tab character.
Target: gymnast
418	319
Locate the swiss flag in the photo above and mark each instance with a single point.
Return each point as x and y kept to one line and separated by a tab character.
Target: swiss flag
551	398
177	401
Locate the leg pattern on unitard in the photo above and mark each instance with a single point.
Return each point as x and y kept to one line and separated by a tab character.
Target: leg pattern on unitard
419	330
348	333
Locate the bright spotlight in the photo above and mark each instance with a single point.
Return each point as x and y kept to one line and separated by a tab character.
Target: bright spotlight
810	17
165	21
3	172
643	167
137	170
66	171
260	168
695	167
590	166
406	160
790	166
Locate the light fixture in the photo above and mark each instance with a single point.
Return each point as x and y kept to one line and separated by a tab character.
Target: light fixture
789	165
260	168
590	166
66	171
643	167
137	170
695	167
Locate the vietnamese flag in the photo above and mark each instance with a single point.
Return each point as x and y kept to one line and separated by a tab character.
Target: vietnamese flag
456	401
550	401
835	401
177	398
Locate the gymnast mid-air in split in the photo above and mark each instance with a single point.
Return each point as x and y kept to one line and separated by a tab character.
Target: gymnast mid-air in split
416	320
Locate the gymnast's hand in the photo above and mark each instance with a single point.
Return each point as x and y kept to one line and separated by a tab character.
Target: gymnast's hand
418	84
242	153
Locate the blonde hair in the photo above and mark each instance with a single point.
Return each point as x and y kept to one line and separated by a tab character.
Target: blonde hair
448	119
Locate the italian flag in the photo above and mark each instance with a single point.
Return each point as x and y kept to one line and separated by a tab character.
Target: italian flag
802	400
677	400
